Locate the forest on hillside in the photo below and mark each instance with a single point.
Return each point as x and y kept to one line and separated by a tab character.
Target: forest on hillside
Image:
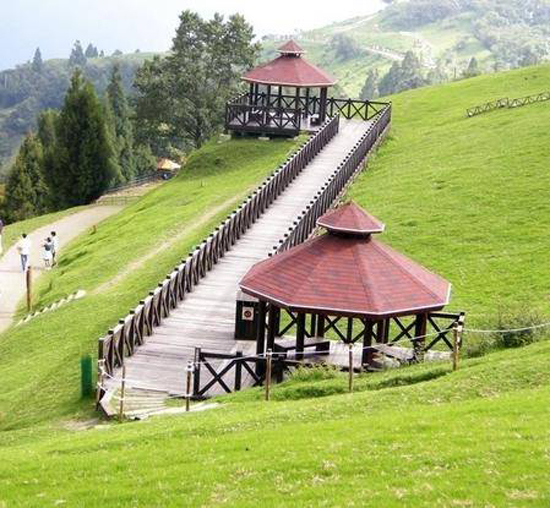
39	85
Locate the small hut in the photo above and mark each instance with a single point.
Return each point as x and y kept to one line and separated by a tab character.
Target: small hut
346	274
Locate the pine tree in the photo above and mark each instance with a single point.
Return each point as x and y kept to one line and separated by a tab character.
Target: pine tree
123	132
26	190
77	58
85	163
91	51
473	68
47	134
102	54
390	81
37	63
370	88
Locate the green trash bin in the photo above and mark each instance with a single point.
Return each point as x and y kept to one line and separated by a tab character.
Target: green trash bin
86	382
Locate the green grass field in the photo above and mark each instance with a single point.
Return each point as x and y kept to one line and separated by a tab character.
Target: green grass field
469	197
466	197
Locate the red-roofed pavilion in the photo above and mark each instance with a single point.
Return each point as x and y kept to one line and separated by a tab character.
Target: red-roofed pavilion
346	272
274	111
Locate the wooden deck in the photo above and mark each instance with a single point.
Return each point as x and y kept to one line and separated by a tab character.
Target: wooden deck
206	318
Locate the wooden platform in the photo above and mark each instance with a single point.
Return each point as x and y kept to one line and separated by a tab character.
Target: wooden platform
206	318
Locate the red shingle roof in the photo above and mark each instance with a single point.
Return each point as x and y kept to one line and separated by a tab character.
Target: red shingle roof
291	47
347	275
290	69
350	218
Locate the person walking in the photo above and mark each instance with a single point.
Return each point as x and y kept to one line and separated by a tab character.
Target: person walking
55	247
47	254
24	249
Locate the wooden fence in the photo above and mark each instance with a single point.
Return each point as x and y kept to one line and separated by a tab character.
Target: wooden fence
507	103
337	182
131	332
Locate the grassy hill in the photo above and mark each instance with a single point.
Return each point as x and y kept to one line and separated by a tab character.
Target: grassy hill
469	196
466	197
445	34
116	266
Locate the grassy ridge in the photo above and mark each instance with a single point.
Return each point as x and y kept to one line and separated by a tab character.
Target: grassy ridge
39	361
469	197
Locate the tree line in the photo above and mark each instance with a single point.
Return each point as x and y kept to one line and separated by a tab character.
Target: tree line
91	144
77	153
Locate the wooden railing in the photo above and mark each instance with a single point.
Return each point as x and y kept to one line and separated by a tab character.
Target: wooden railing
131	332
337	182
348	108
263	119
507	103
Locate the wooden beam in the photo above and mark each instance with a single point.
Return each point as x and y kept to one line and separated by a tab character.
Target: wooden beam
367	356
260	330
323	105
300	335
420	327
272	326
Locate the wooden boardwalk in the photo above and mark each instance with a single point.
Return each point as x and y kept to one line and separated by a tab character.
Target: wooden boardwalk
206	318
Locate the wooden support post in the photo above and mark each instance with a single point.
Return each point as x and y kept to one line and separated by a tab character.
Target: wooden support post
380	333
307	112
368	352
272	326
300	335
28	278
269	360
100	381
313	325
197	373
323	105
189	375
350	365
260	335
457	332
268	104
238	370
320	326
122	394
420	328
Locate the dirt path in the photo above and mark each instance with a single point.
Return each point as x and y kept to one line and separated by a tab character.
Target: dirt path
12	280
138	263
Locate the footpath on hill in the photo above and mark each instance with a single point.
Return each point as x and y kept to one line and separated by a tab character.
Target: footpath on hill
12	279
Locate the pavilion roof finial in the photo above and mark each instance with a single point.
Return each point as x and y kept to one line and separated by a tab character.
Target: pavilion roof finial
291	48
352	220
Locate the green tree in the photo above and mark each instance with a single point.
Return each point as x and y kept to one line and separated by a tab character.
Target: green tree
85	164
120	114
473	68
182	97
390	81
77	58
26	190
37	63
91	51
47	134
370	88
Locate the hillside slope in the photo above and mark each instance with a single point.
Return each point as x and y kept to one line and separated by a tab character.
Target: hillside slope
118	265
469	197
466	197
445	34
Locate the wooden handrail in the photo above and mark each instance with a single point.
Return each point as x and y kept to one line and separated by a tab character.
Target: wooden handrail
132	330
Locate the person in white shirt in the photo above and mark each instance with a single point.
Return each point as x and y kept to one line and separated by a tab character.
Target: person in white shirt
55	245
24	249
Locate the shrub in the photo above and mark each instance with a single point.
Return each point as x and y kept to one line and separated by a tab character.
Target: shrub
317	373
521	323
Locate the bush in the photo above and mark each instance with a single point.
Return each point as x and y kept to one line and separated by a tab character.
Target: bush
317	373
521	324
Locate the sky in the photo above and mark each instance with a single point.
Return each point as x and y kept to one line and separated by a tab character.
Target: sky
148	25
